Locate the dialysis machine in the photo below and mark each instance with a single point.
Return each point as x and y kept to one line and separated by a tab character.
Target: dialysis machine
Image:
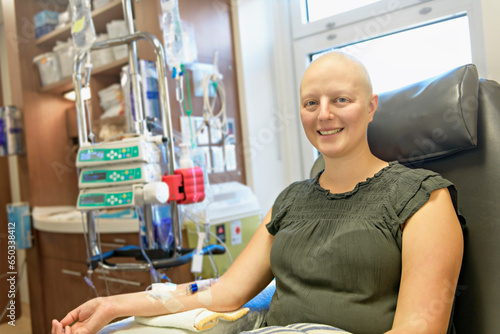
128	172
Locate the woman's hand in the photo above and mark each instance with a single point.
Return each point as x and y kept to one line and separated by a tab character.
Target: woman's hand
88	318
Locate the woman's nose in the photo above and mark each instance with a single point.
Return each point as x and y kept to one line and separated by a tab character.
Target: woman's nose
325	112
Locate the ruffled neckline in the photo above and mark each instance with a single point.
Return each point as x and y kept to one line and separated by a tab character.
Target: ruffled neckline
349	193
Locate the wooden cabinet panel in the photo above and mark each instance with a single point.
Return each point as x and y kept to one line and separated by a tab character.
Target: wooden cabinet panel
64	289
62	246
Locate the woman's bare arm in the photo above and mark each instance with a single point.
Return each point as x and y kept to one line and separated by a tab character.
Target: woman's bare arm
432	257
247	276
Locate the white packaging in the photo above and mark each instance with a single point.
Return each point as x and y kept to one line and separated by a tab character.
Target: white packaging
111	100
48	67
102	57
118	28
65	52
96	4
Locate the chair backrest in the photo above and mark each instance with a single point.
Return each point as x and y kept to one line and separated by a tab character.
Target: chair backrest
451	125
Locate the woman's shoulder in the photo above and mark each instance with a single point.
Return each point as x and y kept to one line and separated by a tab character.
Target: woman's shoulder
404	178
410	188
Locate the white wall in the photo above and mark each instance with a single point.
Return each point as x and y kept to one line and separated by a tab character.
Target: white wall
491	12
268	116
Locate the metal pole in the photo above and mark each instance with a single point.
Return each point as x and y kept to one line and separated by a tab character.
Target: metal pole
168	132
79	102
140	119
148	223
92	234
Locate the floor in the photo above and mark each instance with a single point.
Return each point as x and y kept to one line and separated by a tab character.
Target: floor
23	324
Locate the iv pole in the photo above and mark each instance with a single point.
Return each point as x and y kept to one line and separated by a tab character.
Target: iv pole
179	256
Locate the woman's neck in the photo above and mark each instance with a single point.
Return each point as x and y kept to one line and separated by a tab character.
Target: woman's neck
342	175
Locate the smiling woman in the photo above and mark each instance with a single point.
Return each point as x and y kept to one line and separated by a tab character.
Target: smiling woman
336	105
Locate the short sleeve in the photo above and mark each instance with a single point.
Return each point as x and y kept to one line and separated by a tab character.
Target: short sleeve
417	190
280	207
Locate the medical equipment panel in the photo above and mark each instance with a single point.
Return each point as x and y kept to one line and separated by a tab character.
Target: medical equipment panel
114	175
136	149
104	198
120	197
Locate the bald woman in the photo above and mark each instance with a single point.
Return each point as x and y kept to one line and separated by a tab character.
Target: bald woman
367	246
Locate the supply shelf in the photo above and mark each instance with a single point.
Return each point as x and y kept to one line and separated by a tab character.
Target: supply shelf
101	16
66	84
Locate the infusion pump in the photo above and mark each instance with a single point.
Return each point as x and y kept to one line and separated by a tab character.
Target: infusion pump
121	174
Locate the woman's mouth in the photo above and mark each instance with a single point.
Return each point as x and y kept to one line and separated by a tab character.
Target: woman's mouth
330	132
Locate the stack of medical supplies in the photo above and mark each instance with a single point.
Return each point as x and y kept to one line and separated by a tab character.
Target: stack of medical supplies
111	101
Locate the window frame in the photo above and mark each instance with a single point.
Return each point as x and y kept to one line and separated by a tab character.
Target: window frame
315	37
301	28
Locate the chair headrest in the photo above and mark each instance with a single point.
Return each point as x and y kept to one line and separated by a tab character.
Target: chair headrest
428	119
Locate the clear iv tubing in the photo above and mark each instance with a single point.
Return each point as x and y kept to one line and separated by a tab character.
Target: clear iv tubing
190	110
213	235
140	216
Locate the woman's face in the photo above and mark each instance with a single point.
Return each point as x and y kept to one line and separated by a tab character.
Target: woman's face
336	107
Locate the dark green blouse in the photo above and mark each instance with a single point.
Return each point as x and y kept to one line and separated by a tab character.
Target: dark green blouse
337	257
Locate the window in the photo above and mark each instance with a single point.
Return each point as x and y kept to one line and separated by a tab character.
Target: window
319	9
399	41
416	54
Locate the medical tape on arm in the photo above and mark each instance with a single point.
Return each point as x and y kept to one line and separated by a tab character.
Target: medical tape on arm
204	290
166	293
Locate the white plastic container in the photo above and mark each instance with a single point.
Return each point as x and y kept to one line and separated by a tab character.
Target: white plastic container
65	54
96	4
48	67
102	57
118	28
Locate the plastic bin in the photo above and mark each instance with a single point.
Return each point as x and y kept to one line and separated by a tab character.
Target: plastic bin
234	216
65	54
102	57
48	67
96	4
118	28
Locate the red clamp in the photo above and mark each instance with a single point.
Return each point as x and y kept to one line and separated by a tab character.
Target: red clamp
186	185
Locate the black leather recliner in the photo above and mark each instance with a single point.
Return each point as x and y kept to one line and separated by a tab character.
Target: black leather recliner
451	124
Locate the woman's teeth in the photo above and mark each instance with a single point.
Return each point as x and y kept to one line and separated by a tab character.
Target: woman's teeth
331	132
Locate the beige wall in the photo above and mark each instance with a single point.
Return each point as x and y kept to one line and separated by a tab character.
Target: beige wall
491	11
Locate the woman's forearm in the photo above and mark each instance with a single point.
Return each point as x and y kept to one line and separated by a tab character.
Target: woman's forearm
152	303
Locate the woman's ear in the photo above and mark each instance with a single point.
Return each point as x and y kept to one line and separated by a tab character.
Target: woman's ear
373	106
